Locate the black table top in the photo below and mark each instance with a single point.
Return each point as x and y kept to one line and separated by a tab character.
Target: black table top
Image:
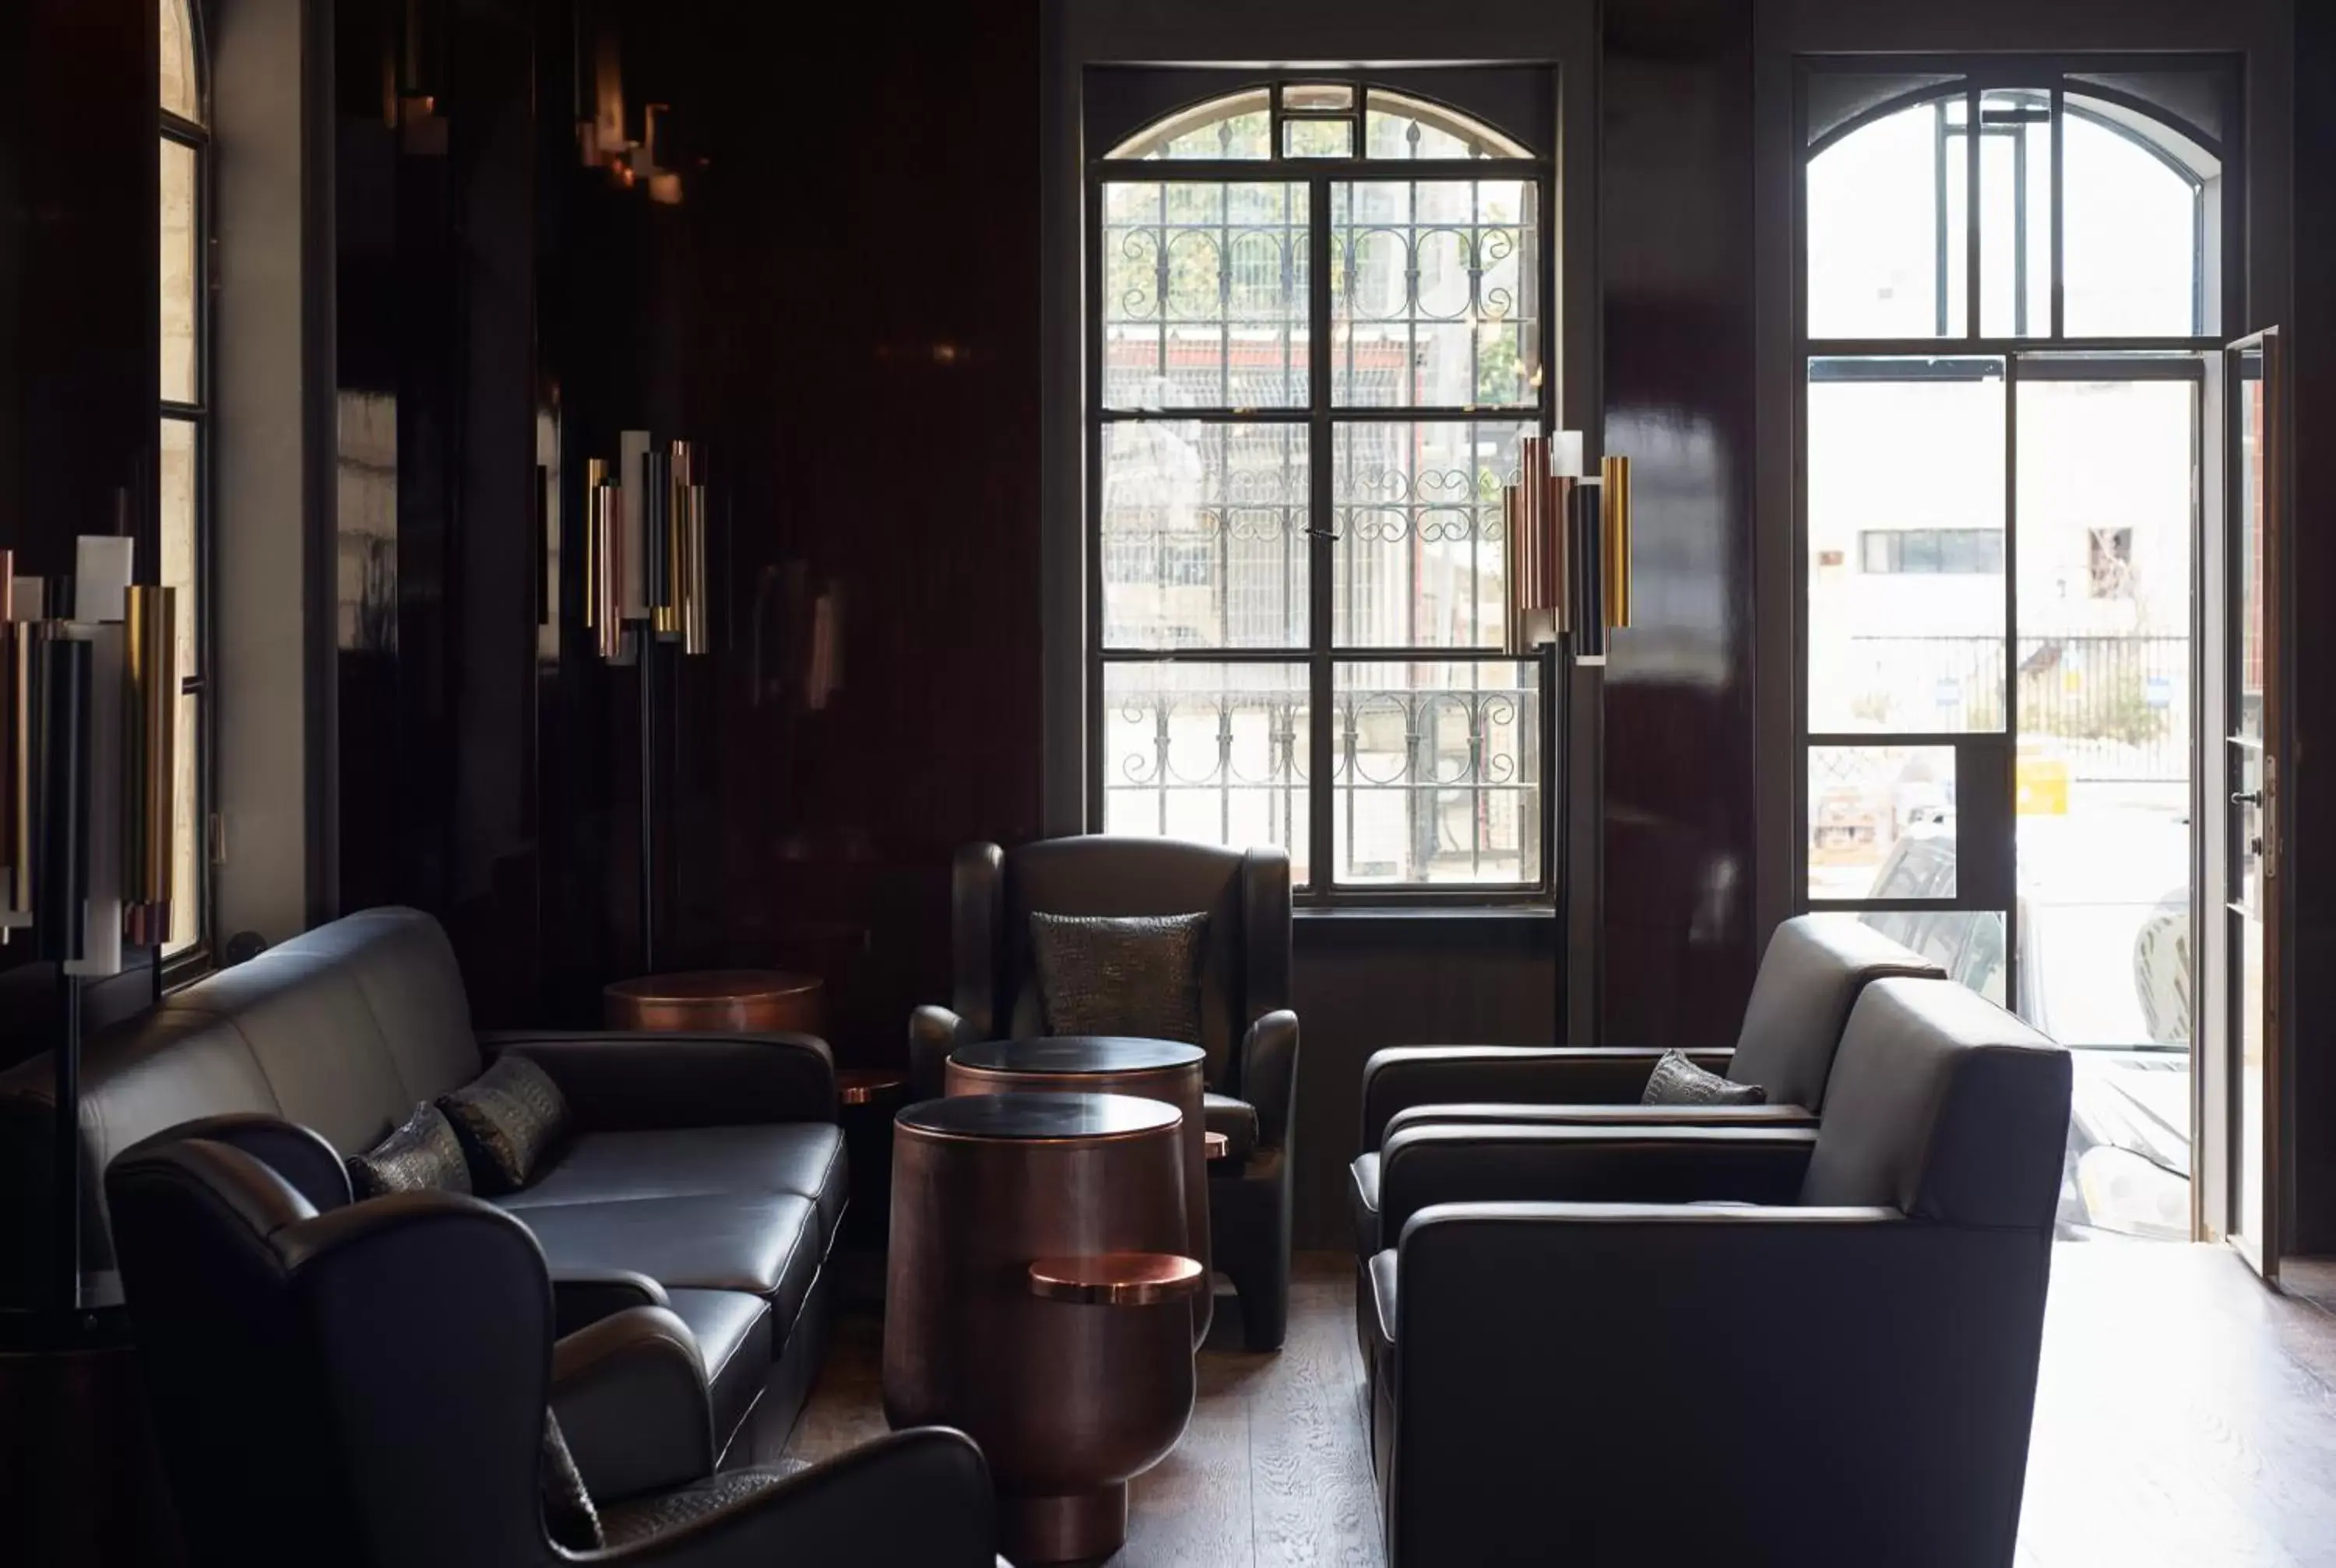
1077	1054
1039	1117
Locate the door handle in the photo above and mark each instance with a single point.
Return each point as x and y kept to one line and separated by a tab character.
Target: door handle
2247	797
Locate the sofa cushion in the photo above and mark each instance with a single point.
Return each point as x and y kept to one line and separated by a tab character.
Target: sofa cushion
766	1244
1363	1200
424	1154
508	1120
1137	975
1237	1120
802	1158
1676	1081
733	1330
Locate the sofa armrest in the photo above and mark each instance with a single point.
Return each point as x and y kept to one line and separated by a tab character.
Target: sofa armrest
1401	1077
1751	1349
581	1297
310	1165
1519	1162
627	1082
1268	1078
933	1034
919	1498
629	1391
1650	1116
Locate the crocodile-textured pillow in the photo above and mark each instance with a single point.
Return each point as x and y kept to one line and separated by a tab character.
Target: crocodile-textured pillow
569	1517
424	1154
1134	975
507	1118
1676	1081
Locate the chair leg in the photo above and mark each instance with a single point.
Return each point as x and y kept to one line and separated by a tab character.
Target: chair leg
1265	1308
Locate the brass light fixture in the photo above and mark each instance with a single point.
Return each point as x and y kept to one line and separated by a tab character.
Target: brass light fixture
1568	549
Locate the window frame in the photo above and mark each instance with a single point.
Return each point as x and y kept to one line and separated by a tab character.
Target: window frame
198	957
1320	655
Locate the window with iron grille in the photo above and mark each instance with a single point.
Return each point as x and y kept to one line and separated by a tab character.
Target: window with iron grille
1319	327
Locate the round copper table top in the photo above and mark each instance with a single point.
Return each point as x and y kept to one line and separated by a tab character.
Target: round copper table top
1070	1054
1118	1278
1038	1118
715	985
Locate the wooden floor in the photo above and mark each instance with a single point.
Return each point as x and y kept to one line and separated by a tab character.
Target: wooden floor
2184	1417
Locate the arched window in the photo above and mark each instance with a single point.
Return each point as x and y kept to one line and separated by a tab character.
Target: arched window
2013	284
183	503
1320	324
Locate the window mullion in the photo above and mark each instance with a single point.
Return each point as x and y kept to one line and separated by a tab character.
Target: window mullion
1320	534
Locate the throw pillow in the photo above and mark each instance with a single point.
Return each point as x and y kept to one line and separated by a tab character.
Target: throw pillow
1676	1081
507	1118
569	1517
1129	975
423	1154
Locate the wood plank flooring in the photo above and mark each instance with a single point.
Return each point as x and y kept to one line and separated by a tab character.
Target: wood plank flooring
2184	1417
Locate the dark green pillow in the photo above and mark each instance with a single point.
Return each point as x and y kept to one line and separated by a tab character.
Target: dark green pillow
423	1154
1121	975
508	1119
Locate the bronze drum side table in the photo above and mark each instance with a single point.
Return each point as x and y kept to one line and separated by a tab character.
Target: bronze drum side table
1163	1070
1039	1298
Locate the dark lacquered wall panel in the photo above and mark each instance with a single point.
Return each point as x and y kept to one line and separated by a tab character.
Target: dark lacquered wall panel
1675	247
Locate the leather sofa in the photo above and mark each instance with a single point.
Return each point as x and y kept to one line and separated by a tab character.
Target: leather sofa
367	1383
1731	1344
1248	1031
1810	976
705	1175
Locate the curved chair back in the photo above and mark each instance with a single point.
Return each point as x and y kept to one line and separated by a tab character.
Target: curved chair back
365	1386
1811	976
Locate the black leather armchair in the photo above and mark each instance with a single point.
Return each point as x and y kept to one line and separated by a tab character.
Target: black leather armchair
1731	1344
368	1384
1810	977
1247	1031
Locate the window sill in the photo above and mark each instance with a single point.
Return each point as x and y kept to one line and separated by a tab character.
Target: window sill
1424	914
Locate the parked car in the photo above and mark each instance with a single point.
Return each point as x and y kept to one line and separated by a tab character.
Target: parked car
2128	1167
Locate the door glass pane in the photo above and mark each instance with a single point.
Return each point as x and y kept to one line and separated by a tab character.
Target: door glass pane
1905	536
1433	302
182	276
2132	225
1437	772
1211	752
176	502
2107	517
1967	943
1882	821
2016	216
1203	535
1886	246
1204	295
2244	752
1419	556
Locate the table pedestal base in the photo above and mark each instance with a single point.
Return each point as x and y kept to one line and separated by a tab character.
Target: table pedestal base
1083	1527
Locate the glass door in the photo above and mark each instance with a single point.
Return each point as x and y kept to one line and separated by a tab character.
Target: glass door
2251	750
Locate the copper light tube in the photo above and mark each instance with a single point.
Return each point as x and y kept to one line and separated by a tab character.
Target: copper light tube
150	738
1617	530
603	585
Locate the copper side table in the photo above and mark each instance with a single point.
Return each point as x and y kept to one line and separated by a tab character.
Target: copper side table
1039	1298
717	1002
1163	1070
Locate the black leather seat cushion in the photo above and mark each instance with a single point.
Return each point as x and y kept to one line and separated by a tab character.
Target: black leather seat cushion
734	1335
1237	1120
766	1244
1363	1198
804	1159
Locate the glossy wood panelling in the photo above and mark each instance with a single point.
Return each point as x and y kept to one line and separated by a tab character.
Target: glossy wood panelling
1675	253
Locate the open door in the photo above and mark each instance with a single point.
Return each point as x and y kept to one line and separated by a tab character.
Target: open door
2254	879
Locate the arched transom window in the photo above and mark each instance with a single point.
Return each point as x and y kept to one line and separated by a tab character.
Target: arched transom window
1318	324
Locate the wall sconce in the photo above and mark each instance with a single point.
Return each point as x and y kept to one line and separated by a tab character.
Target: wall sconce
601	139
1569	543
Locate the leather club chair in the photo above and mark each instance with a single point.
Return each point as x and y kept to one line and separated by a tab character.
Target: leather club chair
1731	1344
1810	977
1247	1031
368	1384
